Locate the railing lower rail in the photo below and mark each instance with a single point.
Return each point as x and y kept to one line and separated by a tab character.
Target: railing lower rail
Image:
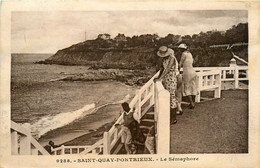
97	148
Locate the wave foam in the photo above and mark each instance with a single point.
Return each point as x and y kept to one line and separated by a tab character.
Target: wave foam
49	123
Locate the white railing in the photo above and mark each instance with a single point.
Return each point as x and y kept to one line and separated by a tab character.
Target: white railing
82	150
22	143
162	119
209	80
143	100
233	73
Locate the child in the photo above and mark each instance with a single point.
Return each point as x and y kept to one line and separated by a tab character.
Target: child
126	138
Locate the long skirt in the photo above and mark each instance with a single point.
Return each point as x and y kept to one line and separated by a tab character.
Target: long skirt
190	86
170	83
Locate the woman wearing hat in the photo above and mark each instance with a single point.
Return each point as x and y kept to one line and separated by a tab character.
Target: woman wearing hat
189	74
168	72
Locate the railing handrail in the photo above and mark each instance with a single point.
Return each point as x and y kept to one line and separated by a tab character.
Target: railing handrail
149	82
20	129
97	144
30	141
212	72
221	68
39	147
132	104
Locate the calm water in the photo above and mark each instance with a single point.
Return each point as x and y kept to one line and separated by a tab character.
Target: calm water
68	107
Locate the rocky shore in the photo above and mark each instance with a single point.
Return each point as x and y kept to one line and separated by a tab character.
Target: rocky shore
128	77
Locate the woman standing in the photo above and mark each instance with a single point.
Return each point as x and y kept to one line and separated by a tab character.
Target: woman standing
190	88
168	72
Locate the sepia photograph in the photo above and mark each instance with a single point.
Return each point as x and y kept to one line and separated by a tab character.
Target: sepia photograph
98	84
87	82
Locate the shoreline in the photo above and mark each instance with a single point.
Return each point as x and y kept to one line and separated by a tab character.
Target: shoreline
90	126
127	77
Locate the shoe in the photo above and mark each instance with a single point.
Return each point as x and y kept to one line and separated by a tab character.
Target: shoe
179	113
173	122
191	106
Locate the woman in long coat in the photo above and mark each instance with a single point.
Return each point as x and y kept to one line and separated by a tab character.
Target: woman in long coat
190	87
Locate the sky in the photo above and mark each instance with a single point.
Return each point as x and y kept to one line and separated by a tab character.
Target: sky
48	32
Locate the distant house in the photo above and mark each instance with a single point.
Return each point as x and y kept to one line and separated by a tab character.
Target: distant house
222	33
156	36
104	36
120	37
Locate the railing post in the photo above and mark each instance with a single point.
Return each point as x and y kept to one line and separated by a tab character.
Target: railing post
25	144
224	74
139	106
211	80
53	152
94	151
153	96
14	143
205	81
199	84
106	144
217	92
156	115
62	152
163	122
34	151
155	105
236	77
116	134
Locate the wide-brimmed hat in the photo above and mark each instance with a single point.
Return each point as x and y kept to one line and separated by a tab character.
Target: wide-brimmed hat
184	46
164	51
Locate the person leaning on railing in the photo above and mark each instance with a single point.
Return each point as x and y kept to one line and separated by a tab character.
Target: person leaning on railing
168	72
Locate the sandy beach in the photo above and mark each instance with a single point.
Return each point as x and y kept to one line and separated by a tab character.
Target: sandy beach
35	98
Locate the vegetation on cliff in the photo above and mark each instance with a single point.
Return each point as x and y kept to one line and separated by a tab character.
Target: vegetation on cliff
139	52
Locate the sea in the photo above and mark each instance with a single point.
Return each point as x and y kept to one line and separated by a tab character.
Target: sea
61	110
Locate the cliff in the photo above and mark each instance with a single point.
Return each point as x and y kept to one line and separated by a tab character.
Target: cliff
131	65
106	54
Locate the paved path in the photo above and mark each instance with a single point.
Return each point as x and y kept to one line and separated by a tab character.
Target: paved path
216	126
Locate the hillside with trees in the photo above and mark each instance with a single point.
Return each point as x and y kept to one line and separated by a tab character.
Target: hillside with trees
139	52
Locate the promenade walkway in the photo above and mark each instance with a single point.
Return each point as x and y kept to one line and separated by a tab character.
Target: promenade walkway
216	126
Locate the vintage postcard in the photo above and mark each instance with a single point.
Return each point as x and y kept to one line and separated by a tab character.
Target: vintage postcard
136	84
